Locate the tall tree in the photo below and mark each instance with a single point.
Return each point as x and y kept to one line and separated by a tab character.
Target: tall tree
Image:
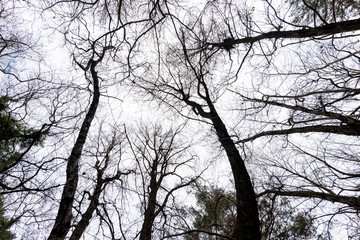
64	216
307	110
195	77
160	158
187	84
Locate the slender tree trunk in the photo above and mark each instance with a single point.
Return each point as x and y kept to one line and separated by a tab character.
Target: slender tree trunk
64	215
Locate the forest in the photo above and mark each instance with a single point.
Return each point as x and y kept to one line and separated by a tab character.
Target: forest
178	119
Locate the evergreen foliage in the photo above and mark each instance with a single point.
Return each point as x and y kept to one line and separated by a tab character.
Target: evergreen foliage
15	136
5	224
216	213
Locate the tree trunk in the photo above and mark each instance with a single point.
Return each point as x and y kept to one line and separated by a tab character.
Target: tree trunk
149	215
247	220
86	217
64	215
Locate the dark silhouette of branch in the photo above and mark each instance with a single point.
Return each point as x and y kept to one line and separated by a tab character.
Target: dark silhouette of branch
335	129
328	29
353	202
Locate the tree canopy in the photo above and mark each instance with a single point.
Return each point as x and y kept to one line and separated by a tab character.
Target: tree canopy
118	119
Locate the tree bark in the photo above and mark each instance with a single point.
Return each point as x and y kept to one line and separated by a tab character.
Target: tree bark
86	217
247	219
149	215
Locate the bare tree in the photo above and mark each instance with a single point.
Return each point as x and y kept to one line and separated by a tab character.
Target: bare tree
304	112
163	165
189	83
108	151
192	78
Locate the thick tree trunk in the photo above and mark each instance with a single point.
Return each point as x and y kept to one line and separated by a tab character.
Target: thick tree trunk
64	215
149	217
247	220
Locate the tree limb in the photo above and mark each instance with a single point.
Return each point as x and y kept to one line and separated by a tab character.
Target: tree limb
353	202
340	129
328	29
